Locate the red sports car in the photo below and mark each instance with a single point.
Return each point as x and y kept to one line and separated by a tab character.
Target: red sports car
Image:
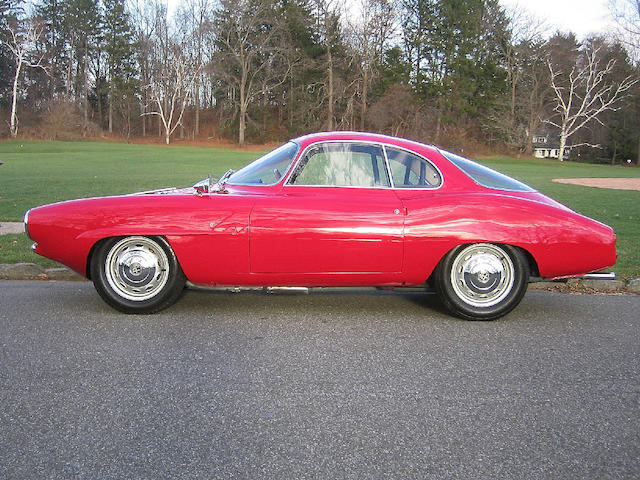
329	209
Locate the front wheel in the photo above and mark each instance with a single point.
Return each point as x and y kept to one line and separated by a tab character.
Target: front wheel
482	281
137	274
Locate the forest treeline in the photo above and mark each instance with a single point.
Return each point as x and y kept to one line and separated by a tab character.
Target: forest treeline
465	74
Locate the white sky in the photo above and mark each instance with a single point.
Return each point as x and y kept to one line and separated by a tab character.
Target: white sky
579	16
582	17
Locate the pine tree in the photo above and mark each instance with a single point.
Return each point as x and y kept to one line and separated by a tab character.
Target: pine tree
118	49
52	14
83	26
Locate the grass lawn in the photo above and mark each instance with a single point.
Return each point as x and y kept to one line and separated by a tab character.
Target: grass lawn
35	173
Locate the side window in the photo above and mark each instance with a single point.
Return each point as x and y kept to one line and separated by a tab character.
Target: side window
342	165
411	171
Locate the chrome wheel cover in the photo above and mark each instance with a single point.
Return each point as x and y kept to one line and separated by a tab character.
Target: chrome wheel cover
137	268
482	275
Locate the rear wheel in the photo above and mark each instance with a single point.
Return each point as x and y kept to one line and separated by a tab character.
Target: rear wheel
482	281
137	274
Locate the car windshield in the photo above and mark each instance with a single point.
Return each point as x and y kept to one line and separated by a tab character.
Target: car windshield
268	169
485	176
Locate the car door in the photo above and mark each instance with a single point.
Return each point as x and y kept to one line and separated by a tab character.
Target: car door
335	214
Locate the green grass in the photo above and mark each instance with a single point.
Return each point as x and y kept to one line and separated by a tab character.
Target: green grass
15	248
36	173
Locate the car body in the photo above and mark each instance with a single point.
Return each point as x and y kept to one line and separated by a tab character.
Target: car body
329	209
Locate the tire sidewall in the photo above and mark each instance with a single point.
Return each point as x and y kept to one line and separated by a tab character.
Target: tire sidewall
459	307
164	298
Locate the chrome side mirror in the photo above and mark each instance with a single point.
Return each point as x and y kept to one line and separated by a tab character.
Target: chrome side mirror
204	186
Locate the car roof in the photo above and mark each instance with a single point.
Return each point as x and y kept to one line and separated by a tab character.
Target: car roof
305	140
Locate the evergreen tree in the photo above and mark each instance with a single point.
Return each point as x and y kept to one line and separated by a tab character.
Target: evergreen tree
9	9
453	48
52	13
83	26
118	50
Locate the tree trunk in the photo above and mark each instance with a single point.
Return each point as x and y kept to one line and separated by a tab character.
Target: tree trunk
563	143
363	110
86	86
110	112
290	105
243	122
70	70
13	128
243	107
512	110
438	122
99	101
330	89
533	122
196	127
144	120
615	153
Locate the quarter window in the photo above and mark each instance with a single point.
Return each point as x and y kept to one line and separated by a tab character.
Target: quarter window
342	165
411	171
485	176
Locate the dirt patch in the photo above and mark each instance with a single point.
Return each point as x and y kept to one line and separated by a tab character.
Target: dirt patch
615	183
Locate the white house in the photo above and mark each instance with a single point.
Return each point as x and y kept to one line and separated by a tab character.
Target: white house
547	145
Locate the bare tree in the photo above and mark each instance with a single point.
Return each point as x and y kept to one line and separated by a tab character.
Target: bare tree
170	92
626	14
248	52
585	95
22	41
526	30
371	33
328	14
144	14
194	16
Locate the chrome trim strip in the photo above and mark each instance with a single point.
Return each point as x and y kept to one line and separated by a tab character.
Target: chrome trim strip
25	220
599	276
383	147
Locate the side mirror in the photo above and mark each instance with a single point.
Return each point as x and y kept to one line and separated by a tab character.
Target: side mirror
204	186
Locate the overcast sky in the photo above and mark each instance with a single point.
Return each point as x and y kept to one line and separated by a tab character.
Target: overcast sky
582	17
579	16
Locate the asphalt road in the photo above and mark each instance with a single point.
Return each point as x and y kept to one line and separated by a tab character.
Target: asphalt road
327	385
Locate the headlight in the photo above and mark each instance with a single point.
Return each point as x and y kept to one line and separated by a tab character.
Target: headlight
26	223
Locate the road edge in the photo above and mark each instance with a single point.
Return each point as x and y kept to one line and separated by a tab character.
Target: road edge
32	271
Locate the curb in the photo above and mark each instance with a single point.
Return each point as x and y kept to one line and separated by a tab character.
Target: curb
581	285
31	271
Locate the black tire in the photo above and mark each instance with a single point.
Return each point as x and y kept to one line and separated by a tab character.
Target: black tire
137	274
482	281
